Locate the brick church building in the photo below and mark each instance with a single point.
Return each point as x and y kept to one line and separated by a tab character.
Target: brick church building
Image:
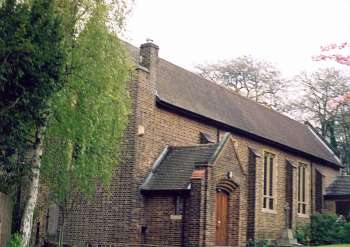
203	166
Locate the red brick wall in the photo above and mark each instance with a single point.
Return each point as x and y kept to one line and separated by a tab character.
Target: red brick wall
106	217
193	220
228	162
251	193
164	225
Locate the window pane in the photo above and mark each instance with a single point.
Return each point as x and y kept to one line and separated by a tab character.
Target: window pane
271	176
299	183
265	175
303	187
304	208
264	204
271	203
178	205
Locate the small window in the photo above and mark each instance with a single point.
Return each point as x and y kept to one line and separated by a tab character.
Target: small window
269	167
179	205
302	188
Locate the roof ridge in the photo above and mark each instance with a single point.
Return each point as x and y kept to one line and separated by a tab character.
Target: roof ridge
211	82
194	145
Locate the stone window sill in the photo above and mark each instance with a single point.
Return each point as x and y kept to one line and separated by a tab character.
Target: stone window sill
176	217
268	211
303	215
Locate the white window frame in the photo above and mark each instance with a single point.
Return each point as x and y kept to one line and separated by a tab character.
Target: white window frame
268	191
302	188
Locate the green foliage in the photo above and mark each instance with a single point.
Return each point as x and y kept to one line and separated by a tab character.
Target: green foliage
332	121
15	241
90	114
302	233
326	228
32	59
345	233
258	243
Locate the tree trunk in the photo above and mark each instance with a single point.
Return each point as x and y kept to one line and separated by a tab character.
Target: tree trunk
61	234
27	219
60	238
332	136
16	214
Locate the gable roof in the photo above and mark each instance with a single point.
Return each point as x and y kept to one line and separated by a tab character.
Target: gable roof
174	167
188	91
340	187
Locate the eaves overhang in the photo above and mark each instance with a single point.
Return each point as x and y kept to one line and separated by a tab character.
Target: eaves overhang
195	116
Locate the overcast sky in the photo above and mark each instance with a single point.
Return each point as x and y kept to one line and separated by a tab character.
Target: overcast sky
285	32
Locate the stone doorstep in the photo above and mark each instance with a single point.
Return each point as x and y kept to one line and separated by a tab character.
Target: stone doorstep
287	243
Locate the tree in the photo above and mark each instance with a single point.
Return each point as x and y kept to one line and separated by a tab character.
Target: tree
31	72
256	80
89	116
342	132
339	54
317	104
334	52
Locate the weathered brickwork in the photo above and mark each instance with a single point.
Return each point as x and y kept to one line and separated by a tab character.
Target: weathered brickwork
106	217
164	225
329	206
270	224
125	216
193	234
226	168
251	200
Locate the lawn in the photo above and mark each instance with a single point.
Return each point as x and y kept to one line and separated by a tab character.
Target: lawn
335	245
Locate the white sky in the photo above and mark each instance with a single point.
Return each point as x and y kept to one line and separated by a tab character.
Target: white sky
284	32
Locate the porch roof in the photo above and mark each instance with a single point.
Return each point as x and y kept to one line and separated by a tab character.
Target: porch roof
173	169
339	188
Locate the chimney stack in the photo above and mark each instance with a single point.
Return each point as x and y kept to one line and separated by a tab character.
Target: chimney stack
149	55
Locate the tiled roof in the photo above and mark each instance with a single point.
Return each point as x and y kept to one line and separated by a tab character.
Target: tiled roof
188	91
339	187
174	167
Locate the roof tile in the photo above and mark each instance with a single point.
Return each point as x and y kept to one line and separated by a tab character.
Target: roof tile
176	168
186	90
339	187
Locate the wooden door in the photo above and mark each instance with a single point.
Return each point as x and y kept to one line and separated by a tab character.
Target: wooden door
221	218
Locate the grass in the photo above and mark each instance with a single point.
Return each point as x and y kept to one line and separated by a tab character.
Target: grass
335	245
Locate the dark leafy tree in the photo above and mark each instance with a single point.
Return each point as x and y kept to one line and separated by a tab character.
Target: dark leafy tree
32	62
82	142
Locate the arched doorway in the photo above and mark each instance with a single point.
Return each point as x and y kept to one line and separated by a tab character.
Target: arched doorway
222	209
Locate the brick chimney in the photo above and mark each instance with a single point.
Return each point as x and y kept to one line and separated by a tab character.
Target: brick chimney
145	127
149	55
